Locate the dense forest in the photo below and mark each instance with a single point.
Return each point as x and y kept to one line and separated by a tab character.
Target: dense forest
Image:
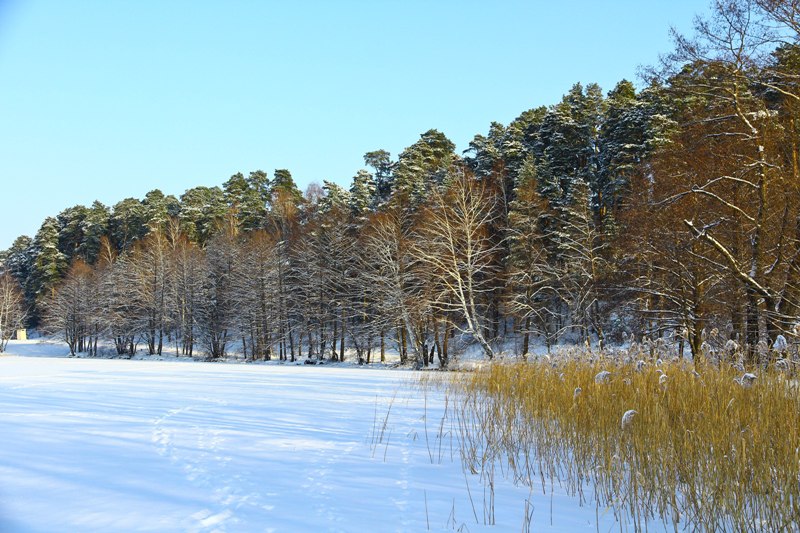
668	212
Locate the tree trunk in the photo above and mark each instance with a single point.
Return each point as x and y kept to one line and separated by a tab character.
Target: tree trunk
334	355
403	346
526	337
341	339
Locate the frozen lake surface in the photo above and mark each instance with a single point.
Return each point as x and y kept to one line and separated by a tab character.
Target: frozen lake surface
113	445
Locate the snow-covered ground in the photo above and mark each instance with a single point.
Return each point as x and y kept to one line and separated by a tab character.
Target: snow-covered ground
117	445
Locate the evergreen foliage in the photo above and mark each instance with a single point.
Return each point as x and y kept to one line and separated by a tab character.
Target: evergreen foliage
667	211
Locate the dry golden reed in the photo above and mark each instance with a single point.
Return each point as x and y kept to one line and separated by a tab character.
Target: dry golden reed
702	449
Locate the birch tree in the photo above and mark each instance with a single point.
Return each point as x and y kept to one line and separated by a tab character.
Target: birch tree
217	313
12	308
187	266
391	271
149	277
255	281
454	245
68	310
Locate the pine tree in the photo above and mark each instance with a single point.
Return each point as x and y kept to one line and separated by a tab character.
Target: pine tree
283	186
534	292
128	223
19	262
95	226
423	166
381	163
362	194
248	197
50	264
569	143
70	235
158	209
202	211
336	197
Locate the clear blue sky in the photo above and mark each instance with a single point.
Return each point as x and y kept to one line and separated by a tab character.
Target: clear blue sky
108	99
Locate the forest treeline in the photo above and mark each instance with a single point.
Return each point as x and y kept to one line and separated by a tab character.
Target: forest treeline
671	211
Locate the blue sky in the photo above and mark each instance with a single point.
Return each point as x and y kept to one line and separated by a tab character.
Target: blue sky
110	99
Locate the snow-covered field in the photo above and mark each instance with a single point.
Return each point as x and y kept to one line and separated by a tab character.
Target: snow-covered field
114	445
